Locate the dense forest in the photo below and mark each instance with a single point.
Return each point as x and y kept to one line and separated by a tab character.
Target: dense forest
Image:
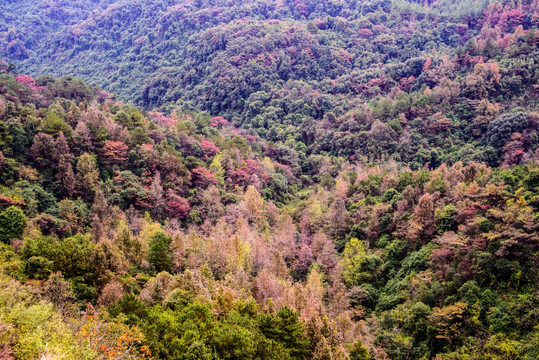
269	179
372	80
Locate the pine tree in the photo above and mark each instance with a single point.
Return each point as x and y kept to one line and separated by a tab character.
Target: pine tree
286	328
158	254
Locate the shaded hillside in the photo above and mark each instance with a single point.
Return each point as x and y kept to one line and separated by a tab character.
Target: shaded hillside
419	84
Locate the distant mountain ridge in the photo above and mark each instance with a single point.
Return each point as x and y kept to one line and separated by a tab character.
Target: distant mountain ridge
86	37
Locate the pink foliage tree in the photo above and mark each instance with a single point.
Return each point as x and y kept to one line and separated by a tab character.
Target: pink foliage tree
202	177
209	148
26	80
43	149
218	122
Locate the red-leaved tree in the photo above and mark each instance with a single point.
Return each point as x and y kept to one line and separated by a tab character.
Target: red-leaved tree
115	152
209	148
177	206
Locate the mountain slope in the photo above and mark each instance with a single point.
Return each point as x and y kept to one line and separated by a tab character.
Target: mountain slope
273	180
183	234
379	80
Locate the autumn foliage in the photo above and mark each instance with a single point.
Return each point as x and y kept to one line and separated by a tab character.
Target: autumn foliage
298	180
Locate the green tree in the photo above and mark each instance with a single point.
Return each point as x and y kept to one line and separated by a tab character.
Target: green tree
12	224
359	352
74	256
52	124
5	138
233	341
358	267
288	330
87	175
158	254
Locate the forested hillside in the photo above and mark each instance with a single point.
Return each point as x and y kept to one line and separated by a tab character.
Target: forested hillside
371	80
269	180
